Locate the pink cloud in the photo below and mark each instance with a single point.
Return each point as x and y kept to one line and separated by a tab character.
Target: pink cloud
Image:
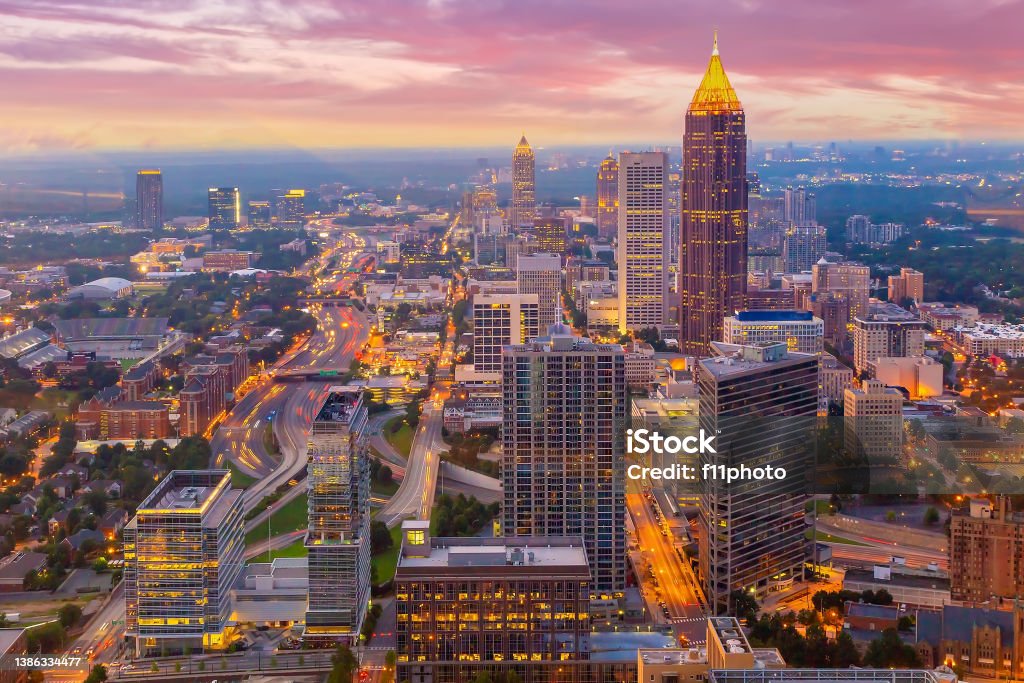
474	72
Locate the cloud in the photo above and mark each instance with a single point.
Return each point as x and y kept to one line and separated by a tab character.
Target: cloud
190	73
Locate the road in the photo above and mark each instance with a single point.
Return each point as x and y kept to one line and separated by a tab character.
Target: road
415	495
676	585
878	551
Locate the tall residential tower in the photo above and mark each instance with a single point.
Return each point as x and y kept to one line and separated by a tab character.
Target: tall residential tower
563	432
713	251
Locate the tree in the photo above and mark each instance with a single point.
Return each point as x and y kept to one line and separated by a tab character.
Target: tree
69	615
845	653
931	516
97	675
890	651
380	537
343	665
744	605
890	516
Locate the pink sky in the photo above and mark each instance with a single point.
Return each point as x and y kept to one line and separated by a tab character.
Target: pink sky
175	74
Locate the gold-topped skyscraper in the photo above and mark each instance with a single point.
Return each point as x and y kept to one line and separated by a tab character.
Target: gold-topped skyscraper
713	249
524	186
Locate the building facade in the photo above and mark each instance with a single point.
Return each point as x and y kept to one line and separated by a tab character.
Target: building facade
873	421
986	551
541	275
498	320
524	186
798	330
183	551
713	244
149	200
608	198
850	281
338	538
641	242
761	402
463	602
564	421
225	208
886	331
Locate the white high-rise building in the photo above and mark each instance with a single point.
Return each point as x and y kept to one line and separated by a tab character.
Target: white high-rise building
541	274
642	244
500	319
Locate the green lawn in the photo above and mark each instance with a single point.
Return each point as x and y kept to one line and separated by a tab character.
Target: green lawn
385	562
296	549
292	517
824	507
268	439
829	538
239	479
401	439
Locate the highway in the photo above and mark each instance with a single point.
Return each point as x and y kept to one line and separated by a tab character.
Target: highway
415	495
341	332
878	551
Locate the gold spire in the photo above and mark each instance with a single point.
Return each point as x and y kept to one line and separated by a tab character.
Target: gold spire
715	93
523	143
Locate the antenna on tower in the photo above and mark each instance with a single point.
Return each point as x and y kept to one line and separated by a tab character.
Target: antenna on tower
714	50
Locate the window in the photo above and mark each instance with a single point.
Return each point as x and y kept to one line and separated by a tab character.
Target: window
416	537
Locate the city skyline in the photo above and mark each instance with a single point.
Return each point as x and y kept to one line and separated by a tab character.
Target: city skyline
329	75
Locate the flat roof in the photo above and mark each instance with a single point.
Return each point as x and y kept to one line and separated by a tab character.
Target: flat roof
550	556
339	406
784	316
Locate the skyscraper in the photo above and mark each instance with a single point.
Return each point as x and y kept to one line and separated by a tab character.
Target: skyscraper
290	209
641	241
259	214
800	207
550	233
541	274
499	320
183	551
713	253
608	198
565	411
149	200
803	246
225	208
338	539
761	401
524	186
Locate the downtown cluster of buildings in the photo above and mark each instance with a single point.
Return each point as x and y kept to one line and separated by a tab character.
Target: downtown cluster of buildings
744	334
